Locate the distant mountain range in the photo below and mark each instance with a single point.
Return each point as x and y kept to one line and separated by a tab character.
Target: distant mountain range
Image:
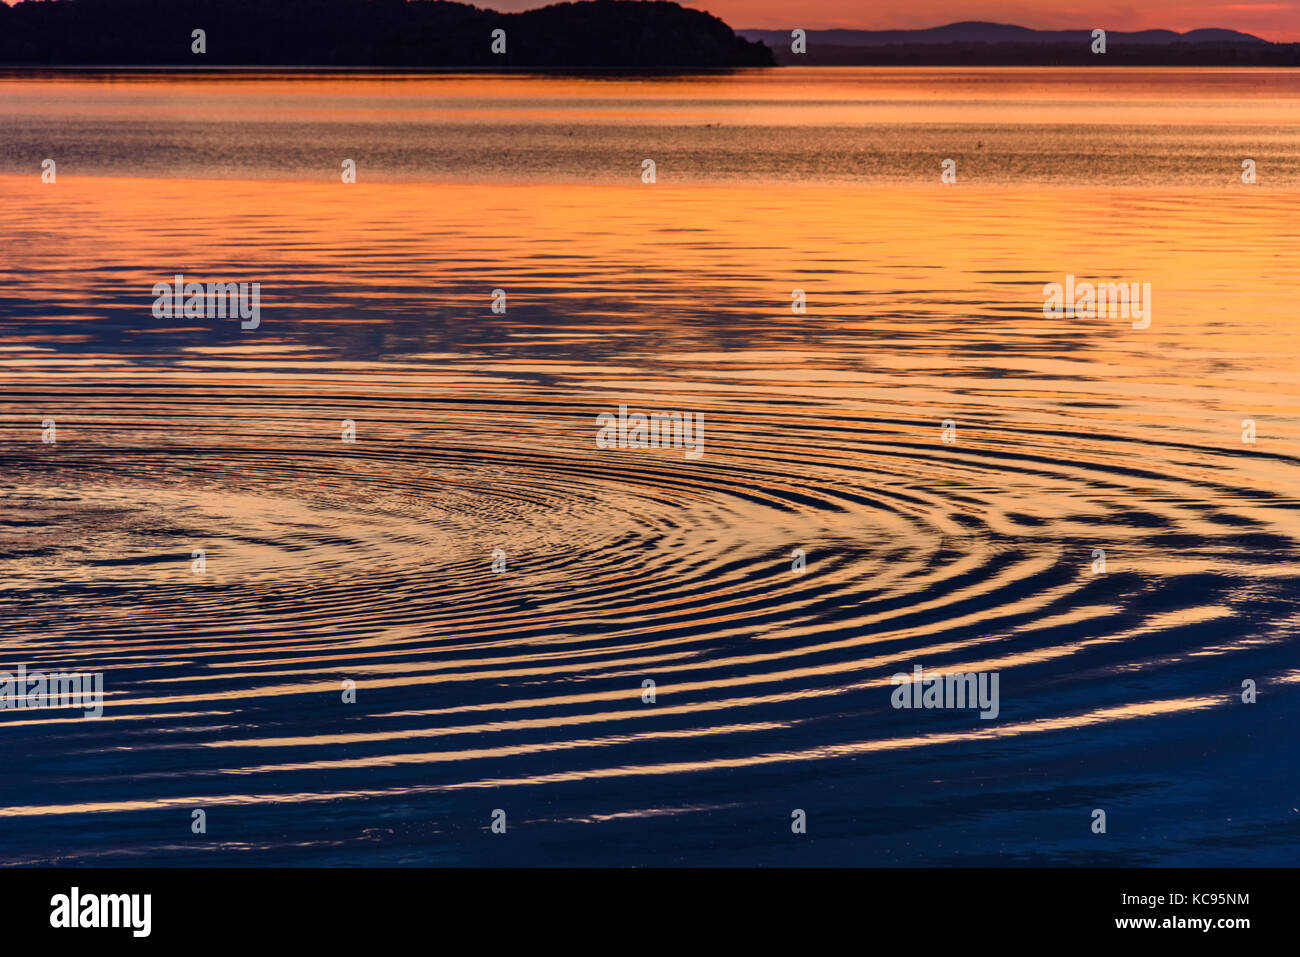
974	31
999	43
589	35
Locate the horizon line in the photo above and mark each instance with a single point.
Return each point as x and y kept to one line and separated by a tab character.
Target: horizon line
991	23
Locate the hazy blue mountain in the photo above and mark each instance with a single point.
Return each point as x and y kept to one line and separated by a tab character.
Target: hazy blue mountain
975	43
974	31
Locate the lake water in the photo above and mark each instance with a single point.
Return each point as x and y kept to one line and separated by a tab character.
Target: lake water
521	688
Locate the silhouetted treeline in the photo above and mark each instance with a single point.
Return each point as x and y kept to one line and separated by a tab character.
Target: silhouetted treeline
356	33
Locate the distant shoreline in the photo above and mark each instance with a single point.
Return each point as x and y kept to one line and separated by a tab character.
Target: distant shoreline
596	35
996	44
398	71
592	37
1277	56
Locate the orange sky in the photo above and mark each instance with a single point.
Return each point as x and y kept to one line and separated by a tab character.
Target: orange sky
1271	19
1277	20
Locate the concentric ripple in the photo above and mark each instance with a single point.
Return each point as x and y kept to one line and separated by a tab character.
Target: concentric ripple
373	562
477	687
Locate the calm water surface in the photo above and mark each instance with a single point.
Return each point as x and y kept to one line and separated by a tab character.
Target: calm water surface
521	690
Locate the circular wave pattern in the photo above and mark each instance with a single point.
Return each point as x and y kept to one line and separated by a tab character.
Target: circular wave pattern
373	563
523	688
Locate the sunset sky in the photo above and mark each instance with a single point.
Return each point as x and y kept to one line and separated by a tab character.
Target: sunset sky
1279	21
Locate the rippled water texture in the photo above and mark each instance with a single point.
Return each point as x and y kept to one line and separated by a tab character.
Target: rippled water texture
522	689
